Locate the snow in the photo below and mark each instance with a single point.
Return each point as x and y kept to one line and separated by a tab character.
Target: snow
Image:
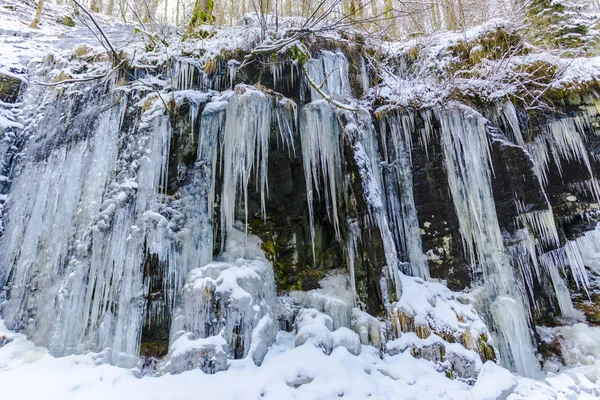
288	372
432	304
493	382
419	85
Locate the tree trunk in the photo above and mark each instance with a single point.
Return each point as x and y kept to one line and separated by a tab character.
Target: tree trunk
203	13
389	15
461	15
450	15
221	13
38	15
288	8
435	18
111	7
96	6
123	10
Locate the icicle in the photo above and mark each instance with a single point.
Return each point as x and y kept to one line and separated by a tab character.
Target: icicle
354	237
563	139
507	114
576	264
554	261
320	140
426	132
232	68
209	138
183	71
541	223
562	294
364	76
523	253
286	116
467	160
245	149
366	155
399	190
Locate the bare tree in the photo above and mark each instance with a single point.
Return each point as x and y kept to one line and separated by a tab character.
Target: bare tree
38	15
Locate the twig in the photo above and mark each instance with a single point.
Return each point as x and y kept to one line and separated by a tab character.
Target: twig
325	96
99	27
66	81
79	80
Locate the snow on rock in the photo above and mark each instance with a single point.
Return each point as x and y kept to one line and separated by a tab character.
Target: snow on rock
432	307
578	345
231	301
369	328
334	298
344	337
450	357
494	383
208	354
315	327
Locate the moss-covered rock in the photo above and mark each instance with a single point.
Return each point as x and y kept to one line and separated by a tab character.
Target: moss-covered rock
66	21
9	88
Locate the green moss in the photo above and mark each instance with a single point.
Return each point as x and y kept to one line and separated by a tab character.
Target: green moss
299	54
202	15
66	20
308	276
493	45
560	24
198	33
486	351
157	348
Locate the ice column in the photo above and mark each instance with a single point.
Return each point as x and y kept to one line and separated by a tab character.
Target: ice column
399	190
467	160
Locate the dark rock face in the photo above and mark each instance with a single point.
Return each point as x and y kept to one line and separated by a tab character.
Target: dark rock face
437	217
285	229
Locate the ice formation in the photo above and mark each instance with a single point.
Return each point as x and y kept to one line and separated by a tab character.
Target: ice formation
320	139
399	190
226	307
467	159
95	246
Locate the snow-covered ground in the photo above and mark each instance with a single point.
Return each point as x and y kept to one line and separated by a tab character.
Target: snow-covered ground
305	372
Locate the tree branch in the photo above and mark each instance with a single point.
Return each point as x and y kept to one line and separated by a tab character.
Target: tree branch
325	96
99	27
